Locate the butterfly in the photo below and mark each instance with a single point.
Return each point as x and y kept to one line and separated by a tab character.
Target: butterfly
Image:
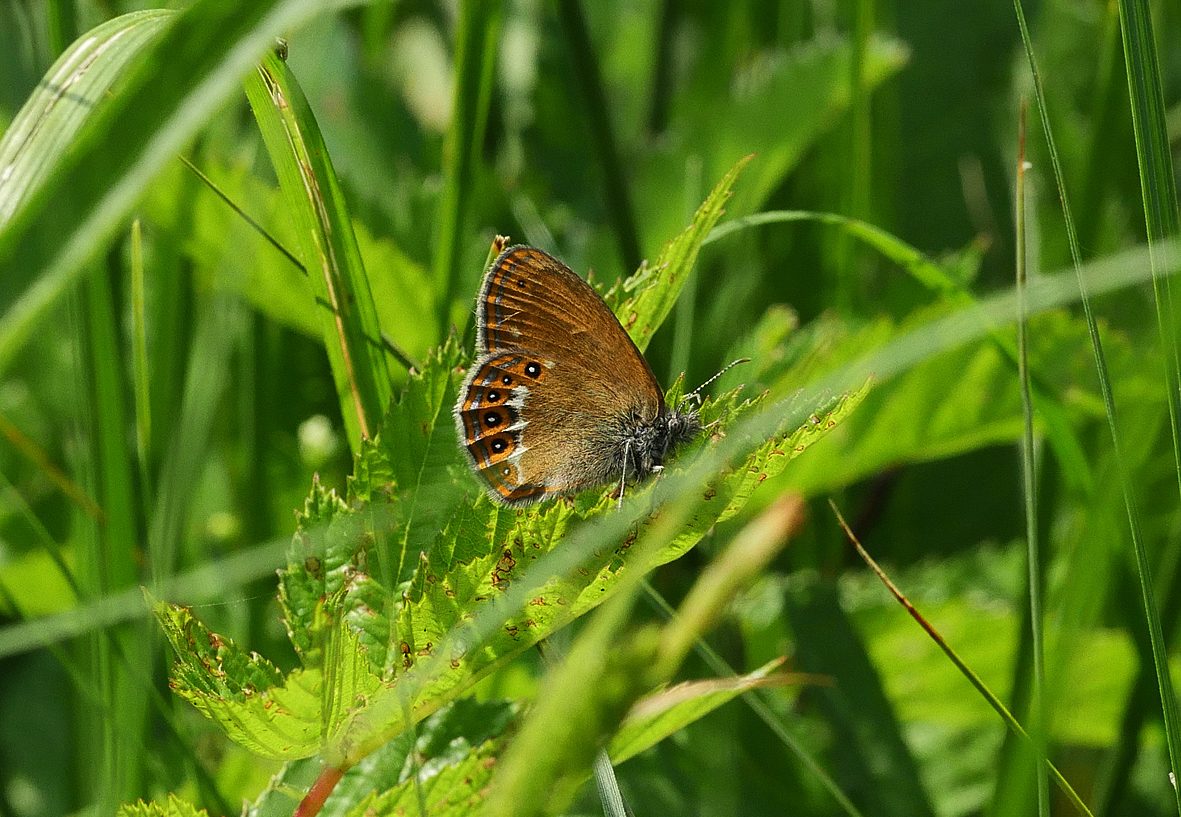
559	398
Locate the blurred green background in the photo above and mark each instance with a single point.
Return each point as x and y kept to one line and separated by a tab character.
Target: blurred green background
594	130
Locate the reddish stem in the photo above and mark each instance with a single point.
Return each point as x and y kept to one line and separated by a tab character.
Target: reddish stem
313	801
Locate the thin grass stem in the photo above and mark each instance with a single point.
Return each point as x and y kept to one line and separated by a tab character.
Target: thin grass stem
1029	488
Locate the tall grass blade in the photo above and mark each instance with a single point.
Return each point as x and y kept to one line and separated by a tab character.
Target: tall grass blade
348	316
974	679
1168	698
1028	486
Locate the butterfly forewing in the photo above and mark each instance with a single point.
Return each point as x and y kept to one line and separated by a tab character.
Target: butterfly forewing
532	301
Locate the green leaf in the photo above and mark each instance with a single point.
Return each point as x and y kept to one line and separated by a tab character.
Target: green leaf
452	789
271	715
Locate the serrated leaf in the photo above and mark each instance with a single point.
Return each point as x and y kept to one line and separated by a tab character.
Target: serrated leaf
450	791
172	807
450	737
418	440
271	715
315	568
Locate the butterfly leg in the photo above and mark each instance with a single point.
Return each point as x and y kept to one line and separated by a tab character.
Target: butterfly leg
623	476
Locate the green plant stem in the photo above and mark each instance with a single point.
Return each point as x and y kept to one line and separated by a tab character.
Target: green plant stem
477	34
662	68
860	148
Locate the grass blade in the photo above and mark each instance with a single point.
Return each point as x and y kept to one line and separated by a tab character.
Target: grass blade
169	87
1033	559
111	560
477	34
329	247
1168	697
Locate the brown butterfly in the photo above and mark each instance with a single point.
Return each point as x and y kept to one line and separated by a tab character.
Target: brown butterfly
559	398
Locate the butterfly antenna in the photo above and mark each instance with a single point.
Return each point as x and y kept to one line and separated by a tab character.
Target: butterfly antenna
697	391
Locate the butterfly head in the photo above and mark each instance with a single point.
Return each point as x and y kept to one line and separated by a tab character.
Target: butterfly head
643	446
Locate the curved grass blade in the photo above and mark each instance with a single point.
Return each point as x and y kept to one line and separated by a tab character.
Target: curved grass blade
51	119
328	246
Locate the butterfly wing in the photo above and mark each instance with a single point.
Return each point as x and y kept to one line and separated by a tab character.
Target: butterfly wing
556	384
